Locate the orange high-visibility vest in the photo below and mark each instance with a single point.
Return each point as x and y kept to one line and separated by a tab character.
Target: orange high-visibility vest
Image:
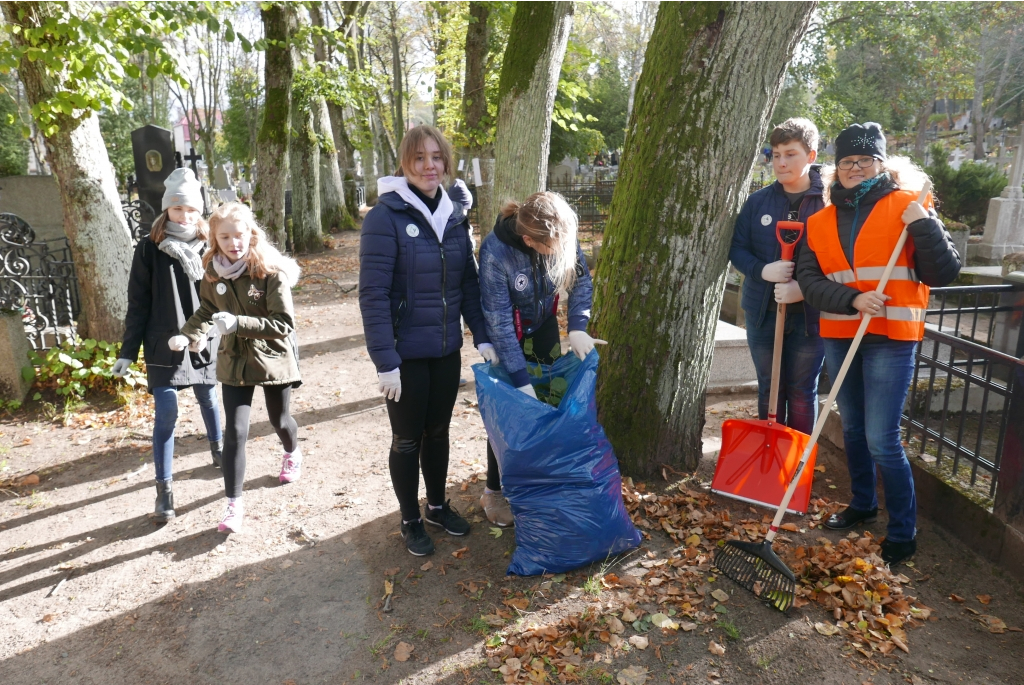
902	317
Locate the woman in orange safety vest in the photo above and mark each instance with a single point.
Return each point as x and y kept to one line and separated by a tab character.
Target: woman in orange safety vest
869	198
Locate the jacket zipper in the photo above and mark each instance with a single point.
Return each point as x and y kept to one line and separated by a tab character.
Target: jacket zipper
444	299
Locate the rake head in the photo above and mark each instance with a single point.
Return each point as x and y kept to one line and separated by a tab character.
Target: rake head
756	567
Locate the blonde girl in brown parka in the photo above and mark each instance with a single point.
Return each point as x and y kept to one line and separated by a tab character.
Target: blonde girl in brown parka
246	294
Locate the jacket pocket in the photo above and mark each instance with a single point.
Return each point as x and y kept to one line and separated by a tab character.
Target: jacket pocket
271	349
400	316
157	353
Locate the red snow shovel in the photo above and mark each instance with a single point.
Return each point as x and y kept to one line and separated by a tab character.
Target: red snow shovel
754	565
759	458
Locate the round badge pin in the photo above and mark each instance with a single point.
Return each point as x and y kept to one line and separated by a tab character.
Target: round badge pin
412	230
221	288
766	219
521	282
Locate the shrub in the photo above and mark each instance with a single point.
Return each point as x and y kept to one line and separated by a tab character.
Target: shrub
963	194
75	368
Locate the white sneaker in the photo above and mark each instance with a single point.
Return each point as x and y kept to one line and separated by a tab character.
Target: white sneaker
232	521
291	467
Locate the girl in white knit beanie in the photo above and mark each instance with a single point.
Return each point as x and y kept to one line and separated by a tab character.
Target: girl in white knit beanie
163	292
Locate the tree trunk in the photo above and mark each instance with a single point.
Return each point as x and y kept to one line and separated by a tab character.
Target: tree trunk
307	235
526	96
922	127
397	92
101	245
346	158
977	111
712	75
474	108
333	212
273	139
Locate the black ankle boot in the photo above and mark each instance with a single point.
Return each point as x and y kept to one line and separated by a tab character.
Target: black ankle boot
849	517
895	552
164	501
216	448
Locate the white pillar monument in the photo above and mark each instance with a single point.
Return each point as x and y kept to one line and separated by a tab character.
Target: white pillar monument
1004	225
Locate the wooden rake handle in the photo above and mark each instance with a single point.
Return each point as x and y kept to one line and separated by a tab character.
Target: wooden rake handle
819	425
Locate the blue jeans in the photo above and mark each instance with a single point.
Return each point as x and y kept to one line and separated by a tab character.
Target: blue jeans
802	356
870	402
166	400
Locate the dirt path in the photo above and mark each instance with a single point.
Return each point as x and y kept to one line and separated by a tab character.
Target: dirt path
296	599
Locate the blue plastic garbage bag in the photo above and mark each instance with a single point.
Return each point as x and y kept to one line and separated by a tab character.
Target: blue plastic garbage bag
558	470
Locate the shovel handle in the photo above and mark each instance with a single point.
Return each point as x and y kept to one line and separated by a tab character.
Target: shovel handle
788	247
780	316
819	425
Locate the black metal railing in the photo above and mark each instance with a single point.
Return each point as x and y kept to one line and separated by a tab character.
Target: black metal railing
958	409
591	202
38	279
140	217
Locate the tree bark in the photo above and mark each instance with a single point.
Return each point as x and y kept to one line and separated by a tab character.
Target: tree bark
397	92
334	214
101	245
712	75
273	139
346	157
304	163
922	126
474	107
526	96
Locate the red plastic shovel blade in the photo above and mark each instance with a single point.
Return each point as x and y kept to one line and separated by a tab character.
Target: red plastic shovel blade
758	459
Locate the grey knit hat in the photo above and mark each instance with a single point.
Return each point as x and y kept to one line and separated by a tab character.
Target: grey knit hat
182	188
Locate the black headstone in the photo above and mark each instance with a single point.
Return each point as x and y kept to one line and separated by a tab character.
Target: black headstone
153	150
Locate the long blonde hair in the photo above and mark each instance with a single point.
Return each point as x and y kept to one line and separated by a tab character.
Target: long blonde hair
904	171
547	218
263	258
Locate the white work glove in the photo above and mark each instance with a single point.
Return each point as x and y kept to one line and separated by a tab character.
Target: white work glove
488	352
120	368
528	390
788	293
226	322
582	344
177	343
198	346
777	272
914	212
389	383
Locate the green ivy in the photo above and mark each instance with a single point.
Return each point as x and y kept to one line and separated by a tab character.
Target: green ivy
77	367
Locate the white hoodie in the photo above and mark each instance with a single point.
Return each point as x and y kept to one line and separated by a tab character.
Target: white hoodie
438	220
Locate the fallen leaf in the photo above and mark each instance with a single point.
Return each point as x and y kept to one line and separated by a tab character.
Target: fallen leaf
716	649
791	527
984	599
721	595
496	532
686	626
628	616
692	541
427	566
403	650
392	571
48	618
901	644
459	553
639	641
663	621
995	625
826	629
518	603
956	598
819	469
31	479
615	625
511	666
26	441
634	675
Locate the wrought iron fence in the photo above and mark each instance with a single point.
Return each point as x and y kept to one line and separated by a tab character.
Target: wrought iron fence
140	216
38	279
591	201
964	391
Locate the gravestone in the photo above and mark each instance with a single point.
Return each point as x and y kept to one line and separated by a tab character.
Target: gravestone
220	178
244	188
1004	224
153	150
561	174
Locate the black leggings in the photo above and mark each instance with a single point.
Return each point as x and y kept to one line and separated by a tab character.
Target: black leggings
544	339
419	424
237	406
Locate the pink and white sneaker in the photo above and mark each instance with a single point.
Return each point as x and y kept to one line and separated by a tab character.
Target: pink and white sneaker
232	521
291	467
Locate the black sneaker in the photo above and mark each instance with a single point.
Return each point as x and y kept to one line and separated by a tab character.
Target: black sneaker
448	518
895	552
416	539
849	517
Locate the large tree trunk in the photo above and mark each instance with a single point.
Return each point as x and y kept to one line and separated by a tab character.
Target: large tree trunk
526	97
101	245
346	157
922	126
474	107
711	78
307	234
333	212
397	91
273	139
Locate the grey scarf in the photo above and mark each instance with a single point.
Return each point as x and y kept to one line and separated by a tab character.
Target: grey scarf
226	269
183	243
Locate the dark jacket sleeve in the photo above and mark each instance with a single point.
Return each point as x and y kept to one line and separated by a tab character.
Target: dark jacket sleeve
201	320
472	311
741	253
497	304
819	292
140	300
936	260
378	252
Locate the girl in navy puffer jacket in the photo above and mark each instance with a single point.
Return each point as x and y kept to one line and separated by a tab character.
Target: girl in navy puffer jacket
531	255
417	276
